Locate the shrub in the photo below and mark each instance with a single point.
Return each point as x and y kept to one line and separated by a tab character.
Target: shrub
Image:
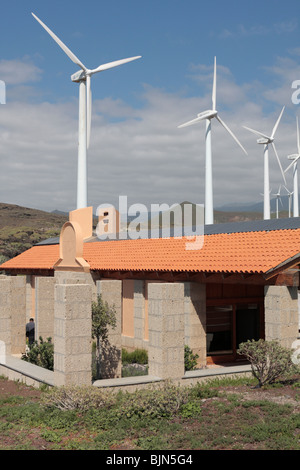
138	356
41	355
269	360
190	359
78	398
157	402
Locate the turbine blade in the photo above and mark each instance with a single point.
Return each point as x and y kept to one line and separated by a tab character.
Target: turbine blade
282	172
193	121
88	109
291	164
231	133
214	90
61	44
287	169
276	124
110	65
256	132
286	189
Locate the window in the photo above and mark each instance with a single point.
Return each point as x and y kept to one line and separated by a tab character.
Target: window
219	329
229	325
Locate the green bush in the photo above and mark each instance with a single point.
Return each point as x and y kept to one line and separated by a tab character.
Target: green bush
41	355
190	409
163	401
138	356
190	359
269	360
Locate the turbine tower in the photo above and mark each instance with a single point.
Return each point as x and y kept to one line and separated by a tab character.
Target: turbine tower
295	157
289	196
278	198
83	77
208	115
266	140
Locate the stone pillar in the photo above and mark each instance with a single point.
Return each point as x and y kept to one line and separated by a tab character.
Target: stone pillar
5	312
281	314
111	351
166	329
13	313
18	314
44	307
195	319
72	329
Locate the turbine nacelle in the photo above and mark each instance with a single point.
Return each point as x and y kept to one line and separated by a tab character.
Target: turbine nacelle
208	114
78	76
212	113
295	156
265	141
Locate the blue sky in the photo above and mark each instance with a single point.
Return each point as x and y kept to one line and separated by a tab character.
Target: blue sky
136	148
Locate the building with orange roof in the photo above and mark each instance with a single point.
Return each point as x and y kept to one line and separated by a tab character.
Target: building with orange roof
241	282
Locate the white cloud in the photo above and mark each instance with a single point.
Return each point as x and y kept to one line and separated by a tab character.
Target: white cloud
19	71
282	74
283	27
140	152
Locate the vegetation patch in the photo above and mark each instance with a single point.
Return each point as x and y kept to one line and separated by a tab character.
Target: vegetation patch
220	414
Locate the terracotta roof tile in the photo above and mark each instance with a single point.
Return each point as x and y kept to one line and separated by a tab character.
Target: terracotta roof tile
37	257
249	252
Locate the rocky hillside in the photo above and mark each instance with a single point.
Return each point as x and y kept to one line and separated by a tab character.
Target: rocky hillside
21	227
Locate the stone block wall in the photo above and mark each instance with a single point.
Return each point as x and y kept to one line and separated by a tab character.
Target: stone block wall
166	330
72	330
281	314
195	319
5	312
18	314
13	313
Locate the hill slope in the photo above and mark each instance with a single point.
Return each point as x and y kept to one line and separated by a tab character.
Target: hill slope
21	227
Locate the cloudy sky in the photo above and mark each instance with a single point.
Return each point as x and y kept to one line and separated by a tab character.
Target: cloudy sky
136	147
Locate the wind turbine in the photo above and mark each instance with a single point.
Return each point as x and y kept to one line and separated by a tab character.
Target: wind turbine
289	196
295	157
278	198
83	77
266	140
208	115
